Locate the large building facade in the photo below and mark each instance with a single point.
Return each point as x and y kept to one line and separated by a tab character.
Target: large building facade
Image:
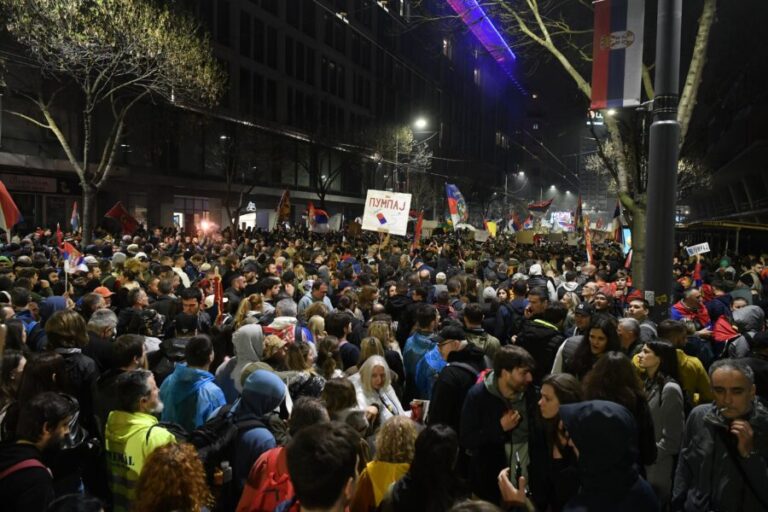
311	84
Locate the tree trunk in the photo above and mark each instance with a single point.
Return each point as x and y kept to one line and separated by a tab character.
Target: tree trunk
639	229
89	208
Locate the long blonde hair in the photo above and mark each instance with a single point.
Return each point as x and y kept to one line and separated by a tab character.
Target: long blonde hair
251	303
366	372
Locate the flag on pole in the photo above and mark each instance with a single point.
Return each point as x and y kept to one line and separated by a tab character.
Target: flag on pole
59	237
579	216
318	219
218	297
517	225
74	220
9	212
528	223
490	227
588	240
127	223
617	53
617	222
417	230
539	208
73	259
457	207
284	207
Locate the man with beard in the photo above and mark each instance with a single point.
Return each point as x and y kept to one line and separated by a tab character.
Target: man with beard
26	483
132	433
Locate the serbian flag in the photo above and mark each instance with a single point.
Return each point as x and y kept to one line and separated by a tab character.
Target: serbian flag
318	219
417	230
528	223
127	223
617	222
284	207
539	208
73	259
617	53
588	240
457	207
9	212
517	225
74	220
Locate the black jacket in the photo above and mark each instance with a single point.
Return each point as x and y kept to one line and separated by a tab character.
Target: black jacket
606	437
541	339
452	385
167	306
100	350
482	435
26	490
82	373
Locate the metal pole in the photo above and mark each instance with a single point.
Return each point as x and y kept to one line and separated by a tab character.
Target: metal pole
662	160
395	182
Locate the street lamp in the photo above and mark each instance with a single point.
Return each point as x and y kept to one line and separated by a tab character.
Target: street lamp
420	123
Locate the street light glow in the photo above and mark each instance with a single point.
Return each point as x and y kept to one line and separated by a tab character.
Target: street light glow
420	123
552	187
611	112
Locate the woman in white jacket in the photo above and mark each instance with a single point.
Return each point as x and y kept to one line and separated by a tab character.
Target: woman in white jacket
658	359
375	394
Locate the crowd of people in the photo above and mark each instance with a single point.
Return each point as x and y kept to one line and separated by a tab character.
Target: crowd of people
288	371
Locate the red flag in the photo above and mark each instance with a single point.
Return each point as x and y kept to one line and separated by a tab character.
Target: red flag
218	297
9	212
417	230
59	236
588	240
579	222
121	215
284	207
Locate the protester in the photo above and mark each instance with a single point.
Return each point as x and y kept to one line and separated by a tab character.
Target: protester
173	478
658	359
132	433
26	484
722	464
431	483
373	388
395	443
604	436
602	339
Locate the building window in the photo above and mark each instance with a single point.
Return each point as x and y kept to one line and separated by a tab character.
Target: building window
271	101
293	13
272	47
289	56
270	6
246	94
222	22
245	34
258	40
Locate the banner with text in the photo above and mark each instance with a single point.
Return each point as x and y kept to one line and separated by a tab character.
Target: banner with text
386	212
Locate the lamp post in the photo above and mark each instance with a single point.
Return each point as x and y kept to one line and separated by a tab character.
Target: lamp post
663	154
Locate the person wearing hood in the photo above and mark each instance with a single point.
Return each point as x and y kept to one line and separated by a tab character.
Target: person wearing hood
604	436
497	424
132	433
248	342
189	393
750	321
722	464
475	334
263	392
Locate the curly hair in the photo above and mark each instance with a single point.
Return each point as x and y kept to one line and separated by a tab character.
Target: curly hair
396	440
173	478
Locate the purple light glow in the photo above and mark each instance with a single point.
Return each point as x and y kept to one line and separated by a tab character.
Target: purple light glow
486	32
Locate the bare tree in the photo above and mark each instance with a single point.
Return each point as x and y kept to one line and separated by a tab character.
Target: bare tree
114	53
562	31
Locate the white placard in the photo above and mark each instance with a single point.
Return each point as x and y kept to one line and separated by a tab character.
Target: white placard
697	249
386	212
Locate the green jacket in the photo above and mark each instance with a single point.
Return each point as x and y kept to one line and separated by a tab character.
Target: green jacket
127	447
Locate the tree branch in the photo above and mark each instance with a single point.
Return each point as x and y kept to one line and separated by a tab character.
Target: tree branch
54	127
